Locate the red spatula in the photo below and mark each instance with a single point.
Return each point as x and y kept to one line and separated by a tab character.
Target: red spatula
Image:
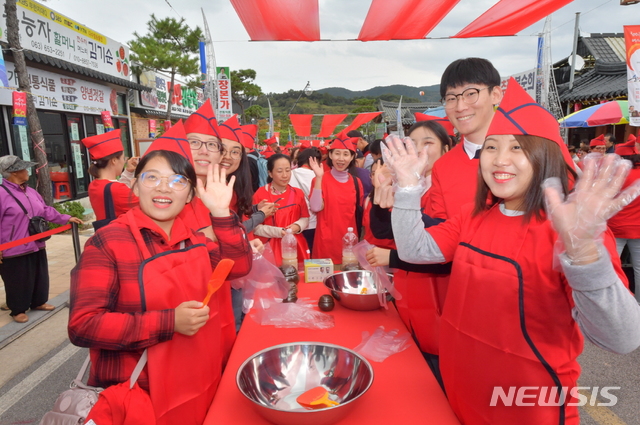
316	398
218	277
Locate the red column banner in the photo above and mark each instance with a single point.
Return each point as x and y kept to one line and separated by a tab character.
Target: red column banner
167	125
632	45
265	20
19	108
152	129
329	123
360	119
106	120
301	124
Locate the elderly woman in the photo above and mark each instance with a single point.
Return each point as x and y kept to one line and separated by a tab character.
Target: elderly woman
24	268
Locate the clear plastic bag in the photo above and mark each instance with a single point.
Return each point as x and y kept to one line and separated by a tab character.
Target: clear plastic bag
290	315
380	345
381	278
264	281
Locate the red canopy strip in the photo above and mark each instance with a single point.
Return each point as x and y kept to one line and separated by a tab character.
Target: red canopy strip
329	123
34	237
403	19
301	124
360	119
268	20
508	17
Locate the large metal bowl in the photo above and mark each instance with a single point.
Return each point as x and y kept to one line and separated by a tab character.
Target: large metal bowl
274	378
355	289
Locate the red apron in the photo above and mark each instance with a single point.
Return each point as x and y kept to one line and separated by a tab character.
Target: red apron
507	323
184	372
283	218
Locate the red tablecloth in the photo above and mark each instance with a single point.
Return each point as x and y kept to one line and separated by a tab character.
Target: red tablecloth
404	390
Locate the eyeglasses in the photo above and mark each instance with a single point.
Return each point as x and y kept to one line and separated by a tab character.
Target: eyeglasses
175	181
233	153
469	96
211	146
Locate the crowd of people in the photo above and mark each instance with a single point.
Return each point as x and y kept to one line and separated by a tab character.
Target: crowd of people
504	244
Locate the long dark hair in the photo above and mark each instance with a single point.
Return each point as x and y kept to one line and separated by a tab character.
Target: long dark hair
546	161
178	163
242	187
101	163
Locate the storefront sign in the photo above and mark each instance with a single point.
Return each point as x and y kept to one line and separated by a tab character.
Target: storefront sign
61	93
75	133
19	107
47	32
185	100
632	43
106	120
24	144
152	129
225	109
77	160
527	80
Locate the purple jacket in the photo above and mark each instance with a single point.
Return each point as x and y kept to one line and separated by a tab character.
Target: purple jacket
14	224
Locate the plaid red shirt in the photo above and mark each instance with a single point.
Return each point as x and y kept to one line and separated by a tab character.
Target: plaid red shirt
105	306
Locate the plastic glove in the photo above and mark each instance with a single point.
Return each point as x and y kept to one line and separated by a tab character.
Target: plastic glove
380	275
581	218
291	315
381	344
407	165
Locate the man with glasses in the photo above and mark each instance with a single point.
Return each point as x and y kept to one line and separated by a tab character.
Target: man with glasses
598	145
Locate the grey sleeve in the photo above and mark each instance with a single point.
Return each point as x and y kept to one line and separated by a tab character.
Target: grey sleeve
253	221
605	310
414	244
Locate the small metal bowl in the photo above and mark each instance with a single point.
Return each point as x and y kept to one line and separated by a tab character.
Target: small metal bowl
275	377
355	289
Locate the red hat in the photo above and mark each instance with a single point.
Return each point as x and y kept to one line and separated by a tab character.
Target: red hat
271	140
519	114
174	140
323	150
289	145
598	141
248	135
230	129
304	145
627	148
120	405
448	127
268	152
631	138
203	121
342	141
103	144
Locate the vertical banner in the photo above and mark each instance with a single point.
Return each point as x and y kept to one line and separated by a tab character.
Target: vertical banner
19	108
167	125
152	129
632	44
106	120
225	109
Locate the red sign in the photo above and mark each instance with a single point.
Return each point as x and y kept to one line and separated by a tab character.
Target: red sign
106	120
167	125
152	128
19	108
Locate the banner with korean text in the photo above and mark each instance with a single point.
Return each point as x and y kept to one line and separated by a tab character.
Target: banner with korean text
224	109
185	100
632	44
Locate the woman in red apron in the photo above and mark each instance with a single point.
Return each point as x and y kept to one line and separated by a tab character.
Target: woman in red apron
140	284
334	198
511	321
292	214
107	163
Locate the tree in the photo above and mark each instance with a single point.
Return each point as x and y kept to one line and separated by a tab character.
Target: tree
37	137
254	111
243	88
169	46
365	105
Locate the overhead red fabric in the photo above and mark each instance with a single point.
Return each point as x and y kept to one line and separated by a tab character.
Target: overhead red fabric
509	17
361	119
268	20
403	19
329	123
442	121
301	124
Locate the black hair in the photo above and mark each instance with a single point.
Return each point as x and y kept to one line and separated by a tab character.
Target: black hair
305	155
99	164
437	129
351	165
355	133
272	161
178	163
469	71
375	147
242	187
611	137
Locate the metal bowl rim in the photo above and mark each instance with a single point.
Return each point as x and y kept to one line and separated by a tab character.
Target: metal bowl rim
326	344
324	282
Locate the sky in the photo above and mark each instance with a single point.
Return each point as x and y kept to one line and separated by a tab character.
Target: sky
283	66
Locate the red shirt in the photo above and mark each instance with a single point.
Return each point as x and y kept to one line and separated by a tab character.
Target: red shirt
626	224
123	198
105	309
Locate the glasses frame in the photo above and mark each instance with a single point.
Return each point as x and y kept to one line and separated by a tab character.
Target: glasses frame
461	96
224	150
192	142
170	183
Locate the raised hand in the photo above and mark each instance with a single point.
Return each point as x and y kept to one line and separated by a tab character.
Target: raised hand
216	196
382	181
581	218
316	167
407	165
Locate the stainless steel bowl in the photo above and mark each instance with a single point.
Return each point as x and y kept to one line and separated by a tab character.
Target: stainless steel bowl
355	289
275	377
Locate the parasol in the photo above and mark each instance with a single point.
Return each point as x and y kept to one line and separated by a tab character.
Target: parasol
614	112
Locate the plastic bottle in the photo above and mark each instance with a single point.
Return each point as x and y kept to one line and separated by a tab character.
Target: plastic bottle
289	250
348	241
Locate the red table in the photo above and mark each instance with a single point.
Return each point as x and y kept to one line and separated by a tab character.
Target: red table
404	390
